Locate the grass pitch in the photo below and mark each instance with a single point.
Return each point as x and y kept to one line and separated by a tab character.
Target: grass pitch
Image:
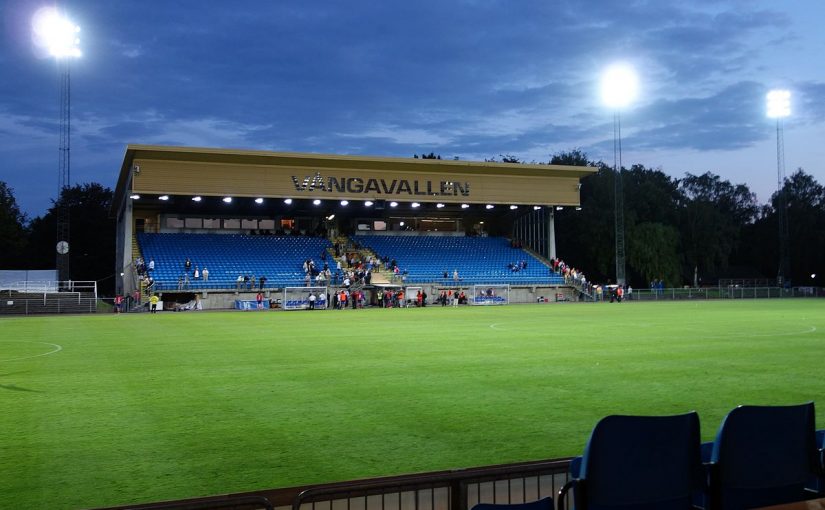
104	410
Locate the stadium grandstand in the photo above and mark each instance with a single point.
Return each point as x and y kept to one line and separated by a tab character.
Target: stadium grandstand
218	226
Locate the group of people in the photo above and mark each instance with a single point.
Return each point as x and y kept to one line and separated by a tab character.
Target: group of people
194	271
515	267
452	298
249	282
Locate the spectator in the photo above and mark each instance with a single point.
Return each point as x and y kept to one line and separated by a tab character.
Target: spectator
205	274
239	282
151	264
187	265
197	274
262	282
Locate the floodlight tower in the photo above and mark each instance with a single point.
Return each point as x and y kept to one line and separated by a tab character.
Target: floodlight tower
619	88
779	107
59	36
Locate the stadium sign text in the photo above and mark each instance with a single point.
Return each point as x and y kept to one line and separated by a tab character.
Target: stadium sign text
381	186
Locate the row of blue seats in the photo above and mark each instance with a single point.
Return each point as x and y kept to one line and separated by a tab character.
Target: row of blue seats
279	258
477	259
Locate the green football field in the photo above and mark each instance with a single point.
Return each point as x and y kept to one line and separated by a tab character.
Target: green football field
114	409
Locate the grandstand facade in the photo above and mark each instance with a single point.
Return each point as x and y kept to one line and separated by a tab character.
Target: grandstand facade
241	215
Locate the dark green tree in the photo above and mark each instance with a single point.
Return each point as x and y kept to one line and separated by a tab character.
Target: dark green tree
92	235
13	235
714	213
806	226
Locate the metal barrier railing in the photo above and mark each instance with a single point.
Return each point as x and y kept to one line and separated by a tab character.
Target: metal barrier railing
447	490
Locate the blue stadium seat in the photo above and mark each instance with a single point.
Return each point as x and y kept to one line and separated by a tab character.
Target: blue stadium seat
639	462
279	258
479	260
763	456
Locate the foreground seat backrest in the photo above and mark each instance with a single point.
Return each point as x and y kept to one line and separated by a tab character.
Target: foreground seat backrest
763	456
541	504
639	462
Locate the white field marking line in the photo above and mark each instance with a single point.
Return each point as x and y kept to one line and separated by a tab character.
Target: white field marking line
57	348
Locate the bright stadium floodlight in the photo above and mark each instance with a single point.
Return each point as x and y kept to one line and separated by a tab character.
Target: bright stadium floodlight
489	206
316	202
259	200
368	203
536	207
620	86
344	203
55	33
465	206
393	204
401	223
135	196
512	207
196	199
163	197
779	104
227	200
415	205
287	201
439	205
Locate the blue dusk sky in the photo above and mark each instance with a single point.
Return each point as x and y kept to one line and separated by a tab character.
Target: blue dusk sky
471	79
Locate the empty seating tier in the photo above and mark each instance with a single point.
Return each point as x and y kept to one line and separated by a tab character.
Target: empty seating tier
226	256
478	260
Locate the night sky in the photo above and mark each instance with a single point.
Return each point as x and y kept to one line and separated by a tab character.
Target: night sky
467	79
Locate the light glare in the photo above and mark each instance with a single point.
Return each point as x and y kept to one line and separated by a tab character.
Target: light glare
439	205
368	203
316	202
465	206
287	201
163	197
135	196
227	200
415	205
620	86
393	204
345	202
259	200
55	33
779	104
196	199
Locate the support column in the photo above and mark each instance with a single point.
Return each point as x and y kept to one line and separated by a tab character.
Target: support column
551	232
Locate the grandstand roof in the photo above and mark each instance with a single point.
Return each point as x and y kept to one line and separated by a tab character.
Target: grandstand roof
158	170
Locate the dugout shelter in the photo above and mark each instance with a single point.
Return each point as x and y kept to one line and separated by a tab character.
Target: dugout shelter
165	189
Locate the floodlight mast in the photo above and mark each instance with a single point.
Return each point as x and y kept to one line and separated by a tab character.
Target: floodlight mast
619	89
59	36
779	107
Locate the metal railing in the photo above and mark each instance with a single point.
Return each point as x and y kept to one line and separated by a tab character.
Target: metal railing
50	297
446	490
724	292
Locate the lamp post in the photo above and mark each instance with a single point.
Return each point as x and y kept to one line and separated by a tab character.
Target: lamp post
779	107
59	37
619	88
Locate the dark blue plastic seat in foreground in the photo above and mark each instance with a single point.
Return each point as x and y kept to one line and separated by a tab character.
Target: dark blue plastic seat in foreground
640	463
541	504
763	456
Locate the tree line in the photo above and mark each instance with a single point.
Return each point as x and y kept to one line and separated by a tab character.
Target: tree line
700	227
